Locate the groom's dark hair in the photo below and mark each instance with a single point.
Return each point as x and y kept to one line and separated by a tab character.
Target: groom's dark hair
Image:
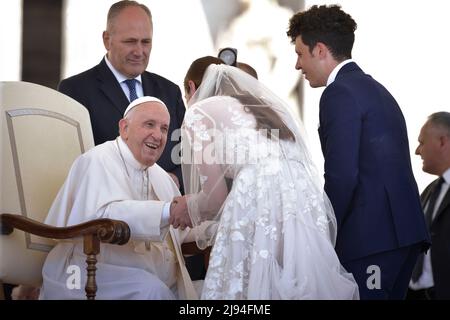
329	25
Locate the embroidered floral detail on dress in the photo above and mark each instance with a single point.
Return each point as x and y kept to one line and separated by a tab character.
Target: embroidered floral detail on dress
237	236
271	218
264	254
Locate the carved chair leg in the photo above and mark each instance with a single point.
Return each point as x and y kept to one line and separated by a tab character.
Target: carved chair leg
91	285
91	249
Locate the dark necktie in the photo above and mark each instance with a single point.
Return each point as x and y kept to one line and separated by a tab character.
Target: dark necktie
131	83
418	268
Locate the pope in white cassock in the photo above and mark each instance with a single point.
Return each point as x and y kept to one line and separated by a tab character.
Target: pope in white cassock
120	180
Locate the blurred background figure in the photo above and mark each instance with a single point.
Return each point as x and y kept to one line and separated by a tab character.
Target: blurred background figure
264	47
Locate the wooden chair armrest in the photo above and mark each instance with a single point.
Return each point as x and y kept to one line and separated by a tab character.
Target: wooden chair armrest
93	232
107	230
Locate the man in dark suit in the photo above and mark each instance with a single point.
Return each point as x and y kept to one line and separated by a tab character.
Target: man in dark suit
106	89
431	276
368	174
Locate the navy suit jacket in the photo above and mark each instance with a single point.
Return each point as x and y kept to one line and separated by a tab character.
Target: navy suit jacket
440	244
368	174
98	90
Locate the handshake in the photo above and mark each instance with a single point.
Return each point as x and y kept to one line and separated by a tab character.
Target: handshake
179	215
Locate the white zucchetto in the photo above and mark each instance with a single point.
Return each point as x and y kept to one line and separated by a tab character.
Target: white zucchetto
142	100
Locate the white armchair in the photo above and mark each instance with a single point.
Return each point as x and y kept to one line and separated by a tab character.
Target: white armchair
42	132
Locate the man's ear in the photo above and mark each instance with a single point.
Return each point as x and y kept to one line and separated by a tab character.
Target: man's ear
123	129
322	50
106	37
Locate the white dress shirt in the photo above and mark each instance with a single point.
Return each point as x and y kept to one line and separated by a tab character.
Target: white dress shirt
121	79
335	71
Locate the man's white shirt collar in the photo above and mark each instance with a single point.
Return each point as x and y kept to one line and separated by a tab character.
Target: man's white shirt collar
335	71
120	77
446	176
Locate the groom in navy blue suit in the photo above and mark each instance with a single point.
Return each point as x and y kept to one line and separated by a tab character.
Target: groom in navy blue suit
368	174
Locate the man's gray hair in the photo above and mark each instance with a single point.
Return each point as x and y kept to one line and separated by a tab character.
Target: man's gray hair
117	7
441	119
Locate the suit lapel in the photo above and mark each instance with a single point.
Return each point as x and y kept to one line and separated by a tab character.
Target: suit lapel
426	194
147	85
443	206
111	88
424	198
151	88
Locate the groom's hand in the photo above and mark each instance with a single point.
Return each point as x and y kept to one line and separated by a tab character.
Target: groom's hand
179	216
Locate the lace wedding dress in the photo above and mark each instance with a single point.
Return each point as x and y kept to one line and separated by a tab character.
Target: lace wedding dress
275	225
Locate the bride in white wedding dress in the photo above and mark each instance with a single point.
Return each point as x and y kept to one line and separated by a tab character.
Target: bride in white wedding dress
247	167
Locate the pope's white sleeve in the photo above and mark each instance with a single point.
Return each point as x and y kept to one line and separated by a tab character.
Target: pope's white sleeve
143	217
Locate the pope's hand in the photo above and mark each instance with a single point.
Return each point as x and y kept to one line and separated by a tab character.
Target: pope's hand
179	216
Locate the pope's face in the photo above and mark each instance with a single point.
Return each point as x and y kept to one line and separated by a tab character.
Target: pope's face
145	131
128	41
